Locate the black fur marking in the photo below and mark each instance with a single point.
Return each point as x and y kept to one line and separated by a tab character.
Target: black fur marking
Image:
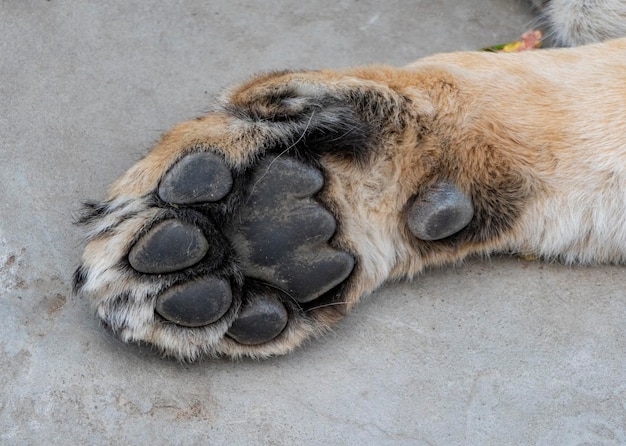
79	278
497	207
319	129
336	130
311	120
92	211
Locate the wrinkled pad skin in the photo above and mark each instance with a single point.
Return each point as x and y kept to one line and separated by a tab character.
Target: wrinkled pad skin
170	246
283	233
196	303
440	212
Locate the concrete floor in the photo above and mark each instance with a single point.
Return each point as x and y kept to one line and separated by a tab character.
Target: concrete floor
492	352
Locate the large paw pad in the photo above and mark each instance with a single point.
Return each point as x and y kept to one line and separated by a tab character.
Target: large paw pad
283	233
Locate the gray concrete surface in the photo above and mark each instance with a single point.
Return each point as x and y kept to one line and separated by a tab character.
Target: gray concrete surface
491	352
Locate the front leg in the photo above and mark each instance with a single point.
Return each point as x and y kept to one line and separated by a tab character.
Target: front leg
247	231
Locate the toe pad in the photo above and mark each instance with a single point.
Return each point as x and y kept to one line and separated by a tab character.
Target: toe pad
169	246
197	178
195	304
261	319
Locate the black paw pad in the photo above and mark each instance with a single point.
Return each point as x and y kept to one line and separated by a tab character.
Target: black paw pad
169	246
262	318
440	212
283	233
197	178
195	304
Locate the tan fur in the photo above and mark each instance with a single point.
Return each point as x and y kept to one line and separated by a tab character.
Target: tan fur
557	118
539	135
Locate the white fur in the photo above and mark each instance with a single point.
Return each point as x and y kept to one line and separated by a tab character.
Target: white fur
579	22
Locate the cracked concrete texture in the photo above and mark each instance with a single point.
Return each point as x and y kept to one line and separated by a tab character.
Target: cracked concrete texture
490	352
